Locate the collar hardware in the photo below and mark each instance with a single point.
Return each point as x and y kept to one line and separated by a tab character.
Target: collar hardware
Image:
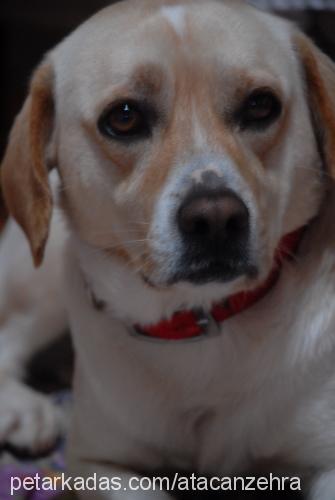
184	326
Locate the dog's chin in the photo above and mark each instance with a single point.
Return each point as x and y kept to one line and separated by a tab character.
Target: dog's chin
209	273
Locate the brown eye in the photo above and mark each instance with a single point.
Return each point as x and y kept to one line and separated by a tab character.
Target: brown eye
259	110
125	120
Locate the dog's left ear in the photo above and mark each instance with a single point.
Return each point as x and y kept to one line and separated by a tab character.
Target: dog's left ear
24	171
319	74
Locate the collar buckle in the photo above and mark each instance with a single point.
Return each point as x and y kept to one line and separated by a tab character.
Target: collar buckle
207	323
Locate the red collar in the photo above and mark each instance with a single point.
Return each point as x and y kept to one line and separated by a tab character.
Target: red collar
185	325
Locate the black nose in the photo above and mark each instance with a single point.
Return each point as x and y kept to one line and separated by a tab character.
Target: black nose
214	221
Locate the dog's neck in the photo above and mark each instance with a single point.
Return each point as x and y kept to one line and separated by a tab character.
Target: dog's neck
114	288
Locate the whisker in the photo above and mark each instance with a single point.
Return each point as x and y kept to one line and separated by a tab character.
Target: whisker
145	240
113	232
313	169
117	246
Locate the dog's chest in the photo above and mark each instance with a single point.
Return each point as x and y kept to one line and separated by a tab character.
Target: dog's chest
204	404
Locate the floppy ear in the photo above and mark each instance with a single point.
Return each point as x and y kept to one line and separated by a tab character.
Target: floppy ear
3	210
319	72
24	171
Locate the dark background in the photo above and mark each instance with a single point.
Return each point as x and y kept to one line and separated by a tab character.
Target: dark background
28	28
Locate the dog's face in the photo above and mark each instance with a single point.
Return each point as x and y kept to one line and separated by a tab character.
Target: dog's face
184	138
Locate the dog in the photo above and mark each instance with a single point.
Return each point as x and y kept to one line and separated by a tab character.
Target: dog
191	147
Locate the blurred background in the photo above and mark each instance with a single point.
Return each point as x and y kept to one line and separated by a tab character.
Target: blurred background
29	28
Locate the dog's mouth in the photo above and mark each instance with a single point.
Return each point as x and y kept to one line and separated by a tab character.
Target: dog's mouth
197	270
215	271
206	272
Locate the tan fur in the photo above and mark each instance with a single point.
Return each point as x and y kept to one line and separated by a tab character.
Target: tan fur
24	169
148	79
320	78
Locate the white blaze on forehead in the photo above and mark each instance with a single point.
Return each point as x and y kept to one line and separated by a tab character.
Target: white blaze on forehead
176	17
199	133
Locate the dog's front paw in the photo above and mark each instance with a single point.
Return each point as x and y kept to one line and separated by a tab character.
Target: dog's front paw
323	487
29	421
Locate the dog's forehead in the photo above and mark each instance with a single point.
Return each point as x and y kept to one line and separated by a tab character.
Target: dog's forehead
113	44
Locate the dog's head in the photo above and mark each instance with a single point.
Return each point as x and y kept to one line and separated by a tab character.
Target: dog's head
189	138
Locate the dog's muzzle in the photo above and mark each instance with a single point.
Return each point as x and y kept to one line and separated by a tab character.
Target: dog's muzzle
215	229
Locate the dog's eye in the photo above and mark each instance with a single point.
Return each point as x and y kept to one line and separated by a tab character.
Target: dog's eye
259	110
125	120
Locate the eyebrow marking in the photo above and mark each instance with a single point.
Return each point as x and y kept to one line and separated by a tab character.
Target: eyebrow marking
176	17
148	78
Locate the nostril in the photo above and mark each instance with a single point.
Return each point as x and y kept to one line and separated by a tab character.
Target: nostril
201	226
236	226
193	224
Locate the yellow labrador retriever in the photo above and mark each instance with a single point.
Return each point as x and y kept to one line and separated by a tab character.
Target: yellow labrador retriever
195	147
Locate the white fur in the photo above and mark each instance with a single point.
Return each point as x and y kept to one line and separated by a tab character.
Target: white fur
28	420
176	17
273	395
198	174
261	389
324	487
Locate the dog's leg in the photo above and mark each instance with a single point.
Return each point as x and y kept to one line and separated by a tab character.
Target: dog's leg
123	485
28	420
31	316
323	487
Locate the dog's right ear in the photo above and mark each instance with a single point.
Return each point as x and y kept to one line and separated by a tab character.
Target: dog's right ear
319	75
24	169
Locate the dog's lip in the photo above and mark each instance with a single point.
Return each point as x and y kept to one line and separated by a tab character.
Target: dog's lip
216	272
213	272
